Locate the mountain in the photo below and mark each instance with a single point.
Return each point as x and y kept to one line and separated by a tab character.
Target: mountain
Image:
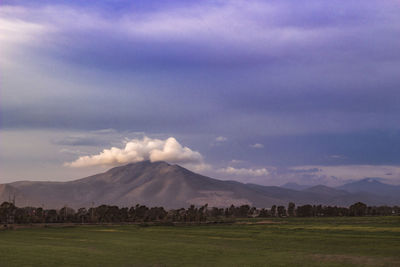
374	186
324	194
170	186
152	184
326	191
295	186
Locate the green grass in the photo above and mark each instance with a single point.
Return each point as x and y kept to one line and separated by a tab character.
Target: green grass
367	241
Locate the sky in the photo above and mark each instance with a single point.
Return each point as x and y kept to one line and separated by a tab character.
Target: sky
264	92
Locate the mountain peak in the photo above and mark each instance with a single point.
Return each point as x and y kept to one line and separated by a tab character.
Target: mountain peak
146	163
140	165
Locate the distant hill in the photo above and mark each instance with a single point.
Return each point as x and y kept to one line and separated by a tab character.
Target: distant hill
373	186
340	197
323	195
170	186
325	191
295	186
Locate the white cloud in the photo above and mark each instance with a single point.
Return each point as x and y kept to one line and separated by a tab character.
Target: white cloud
244	171
221	139
136	150
257	145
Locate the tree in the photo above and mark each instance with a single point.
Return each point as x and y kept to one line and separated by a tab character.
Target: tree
243	211
358	209
305	211
291	208
140	212
273	211
281	211
7	212
216	212
51	216
156	214
263	213
82	215
66	214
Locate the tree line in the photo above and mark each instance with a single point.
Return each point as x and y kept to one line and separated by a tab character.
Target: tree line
10	214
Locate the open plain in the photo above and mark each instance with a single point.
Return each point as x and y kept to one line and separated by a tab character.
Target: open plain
338	241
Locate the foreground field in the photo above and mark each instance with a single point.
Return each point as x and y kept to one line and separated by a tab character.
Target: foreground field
361	241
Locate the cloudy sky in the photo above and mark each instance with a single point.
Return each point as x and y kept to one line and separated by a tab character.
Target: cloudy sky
255	91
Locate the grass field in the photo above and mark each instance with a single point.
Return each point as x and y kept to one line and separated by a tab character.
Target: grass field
362	241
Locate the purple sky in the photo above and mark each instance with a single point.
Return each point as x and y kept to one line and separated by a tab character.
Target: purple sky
265	91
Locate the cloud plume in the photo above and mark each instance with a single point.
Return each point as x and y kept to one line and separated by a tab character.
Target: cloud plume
137	150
